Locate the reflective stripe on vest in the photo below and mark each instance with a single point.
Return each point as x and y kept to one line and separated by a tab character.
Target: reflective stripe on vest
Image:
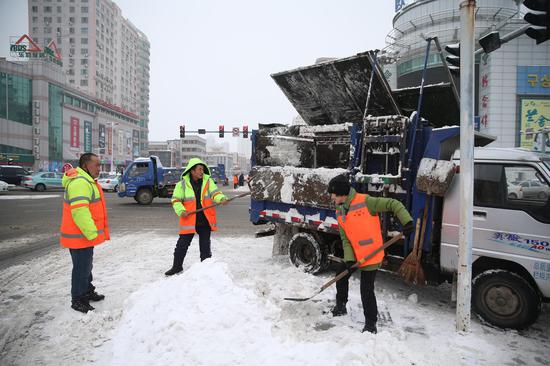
187	224
74	236
362	230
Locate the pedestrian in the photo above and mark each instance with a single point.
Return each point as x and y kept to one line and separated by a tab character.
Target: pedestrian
241	180
84	225
195	190
235	181
361	234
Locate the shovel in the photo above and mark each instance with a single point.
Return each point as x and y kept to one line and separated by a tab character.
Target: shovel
217	204
346	272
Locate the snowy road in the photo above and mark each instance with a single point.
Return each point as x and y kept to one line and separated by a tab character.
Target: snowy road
229	311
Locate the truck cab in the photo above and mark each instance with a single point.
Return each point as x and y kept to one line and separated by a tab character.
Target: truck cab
511	234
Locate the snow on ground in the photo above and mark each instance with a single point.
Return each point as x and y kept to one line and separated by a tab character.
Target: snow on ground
229	310
29	197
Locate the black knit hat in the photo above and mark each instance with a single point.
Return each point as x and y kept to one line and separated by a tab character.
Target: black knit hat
339	185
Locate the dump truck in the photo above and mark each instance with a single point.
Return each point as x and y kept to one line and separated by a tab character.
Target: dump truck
356	125
146	178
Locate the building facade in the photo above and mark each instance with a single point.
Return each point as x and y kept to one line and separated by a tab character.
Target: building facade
103	54
512	83
45	123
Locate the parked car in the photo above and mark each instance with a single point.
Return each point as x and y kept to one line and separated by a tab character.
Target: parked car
3	186
535	189
13	174
42	181
110	183
514	191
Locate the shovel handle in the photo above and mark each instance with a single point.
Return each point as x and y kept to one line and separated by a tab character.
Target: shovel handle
363	260
217	204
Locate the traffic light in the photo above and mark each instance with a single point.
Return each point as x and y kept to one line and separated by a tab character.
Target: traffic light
453	58
245	132
222	131
182	131
541	21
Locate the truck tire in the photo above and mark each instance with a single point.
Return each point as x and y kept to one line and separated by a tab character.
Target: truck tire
308	253
505	299
144	196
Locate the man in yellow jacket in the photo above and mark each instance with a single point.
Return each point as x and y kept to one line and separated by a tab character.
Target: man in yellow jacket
83	226
195	190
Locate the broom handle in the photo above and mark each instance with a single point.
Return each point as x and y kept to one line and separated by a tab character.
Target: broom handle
363	260
416	236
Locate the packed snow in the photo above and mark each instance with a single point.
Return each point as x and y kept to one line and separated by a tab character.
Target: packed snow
229	310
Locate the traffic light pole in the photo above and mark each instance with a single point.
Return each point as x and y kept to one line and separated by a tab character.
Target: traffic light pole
467	48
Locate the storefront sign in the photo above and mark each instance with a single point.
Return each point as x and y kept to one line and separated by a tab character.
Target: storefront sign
87	136
110	140
533	80
75	132
534	115
101	141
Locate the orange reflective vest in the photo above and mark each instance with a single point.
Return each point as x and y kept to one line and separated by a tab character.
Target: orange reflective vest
362	230
71	235
187	224
235	179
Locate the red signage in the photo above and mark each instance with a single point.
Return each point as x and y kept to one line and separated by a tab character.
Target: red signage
75	132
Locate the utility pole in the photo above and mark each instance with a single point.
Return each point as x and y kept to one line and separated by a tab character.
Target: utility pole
467	48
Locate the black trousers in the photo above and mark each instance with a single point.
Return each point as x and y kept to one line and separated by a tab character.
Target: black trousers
368	298
204	243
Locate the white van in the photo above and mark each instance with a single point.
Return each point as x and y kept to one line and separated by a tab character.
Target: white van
511	237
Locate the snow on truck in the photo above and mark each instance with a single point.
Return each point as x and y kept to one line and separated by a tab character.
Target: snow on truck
381	151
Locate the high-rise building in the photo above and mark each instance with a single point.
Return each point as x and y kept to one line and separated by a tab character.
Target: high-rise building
103	54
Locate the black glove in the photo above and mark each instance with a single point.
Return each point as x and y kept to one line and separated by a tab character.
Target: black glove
408	228
348	265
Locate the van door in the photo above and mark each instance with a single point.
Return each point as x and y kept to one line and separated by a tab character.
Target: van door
507	224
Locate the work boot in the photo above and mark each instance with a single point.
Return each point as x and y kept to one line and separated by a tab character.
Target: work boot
94	296
339	309
82	305
177	266
369	327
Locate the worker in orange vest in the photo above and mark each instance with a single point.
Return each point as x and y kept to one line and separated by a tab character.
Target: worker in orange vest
84	225
361	235
195	190
235	181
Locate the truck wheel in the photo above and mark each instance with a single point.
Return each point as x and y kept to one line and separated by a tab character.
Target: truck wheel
307	252
40	187
505	299
144	196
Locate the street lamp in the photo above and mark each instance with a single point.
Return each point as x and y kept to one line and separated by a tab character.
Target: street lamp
113	124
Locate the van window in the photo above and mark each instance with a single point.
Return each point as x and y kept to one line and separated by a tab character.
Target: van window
138	169
512	187
9	171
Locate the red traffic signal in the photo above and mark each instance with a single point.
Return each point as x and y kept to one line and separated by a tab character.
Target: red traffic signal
221	131
245	132
182	132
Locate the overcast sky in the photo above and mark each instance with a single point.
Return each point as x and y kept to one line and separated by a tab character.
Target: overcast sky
211	59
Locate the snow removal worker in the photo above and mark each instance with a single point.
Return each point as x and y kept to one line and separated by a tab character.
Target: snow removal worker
195	190
361	234
84	225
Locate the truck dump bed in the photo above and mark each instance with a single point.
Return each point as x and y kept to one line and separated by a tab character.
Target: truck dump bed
336	92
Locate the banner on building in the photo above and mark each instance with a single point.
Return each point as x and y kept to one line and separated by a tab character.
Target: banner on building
533	80
135	143
87	136
75	132
535	115
101	141
120	142
110	140
128	142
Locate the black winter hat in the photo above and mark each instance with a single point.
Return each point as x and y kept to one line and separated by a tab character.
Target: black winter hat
339	185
